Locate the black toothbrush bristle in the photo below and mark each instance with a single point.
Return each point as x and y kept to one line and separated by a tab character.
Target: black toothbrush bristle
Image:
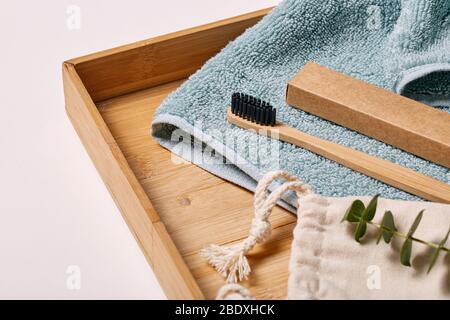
253	109
233	102
258	116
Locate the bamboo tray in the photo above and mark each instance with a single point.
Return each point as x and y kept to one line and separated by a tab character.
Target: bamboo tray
173	209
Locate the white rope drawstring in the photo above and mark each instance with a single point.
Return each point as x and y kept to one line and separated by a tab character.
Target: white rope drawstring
231	261
234	292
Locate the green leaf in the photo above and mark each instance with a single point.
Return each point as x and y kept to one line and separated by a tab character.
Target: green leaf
437	251
387	227
371	209
360	230
380	231
415	224
405	253
442	243
354	213
433	259
380	234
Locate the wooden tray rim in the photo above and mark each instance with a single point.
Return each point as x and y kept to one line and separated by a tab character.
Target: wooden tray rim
144	222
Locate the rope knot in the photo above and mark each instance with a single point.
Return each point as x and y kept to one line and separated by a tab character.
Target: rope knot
230	261
260	230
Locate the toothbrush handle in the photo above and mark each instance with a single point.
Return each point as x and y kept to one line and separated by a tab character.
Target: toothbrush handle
390	173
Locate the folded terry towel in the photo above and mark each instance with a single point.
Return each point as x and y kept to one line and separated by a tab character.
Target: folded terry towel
400	45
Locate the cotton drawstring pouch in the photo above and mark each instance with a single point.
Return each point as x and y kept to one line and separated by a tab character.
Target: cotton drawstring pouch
327	263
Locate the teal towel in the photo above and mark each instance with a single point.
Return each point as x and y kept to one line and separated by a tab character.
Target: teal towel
399	45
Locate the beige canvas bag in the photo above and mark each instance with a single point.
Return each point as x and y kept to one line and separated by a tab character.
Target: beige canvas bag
327	263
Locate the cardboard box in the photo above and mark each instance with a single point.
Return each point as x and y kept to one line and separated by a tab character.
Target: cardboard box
396	120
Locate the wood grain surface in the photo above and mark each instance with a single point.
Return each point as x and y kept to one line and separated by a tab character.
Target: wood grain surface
162	59
196	207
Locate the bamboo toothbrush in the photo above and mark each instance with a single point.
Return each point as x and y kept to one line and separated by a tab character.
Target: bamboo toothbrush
251	113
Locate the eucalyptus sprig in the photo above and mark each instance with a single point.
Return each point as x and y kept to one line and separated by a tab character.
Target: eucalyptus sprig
361	215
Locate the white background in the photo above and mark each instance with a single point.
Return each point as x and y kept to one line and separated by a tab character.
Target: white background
55	211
